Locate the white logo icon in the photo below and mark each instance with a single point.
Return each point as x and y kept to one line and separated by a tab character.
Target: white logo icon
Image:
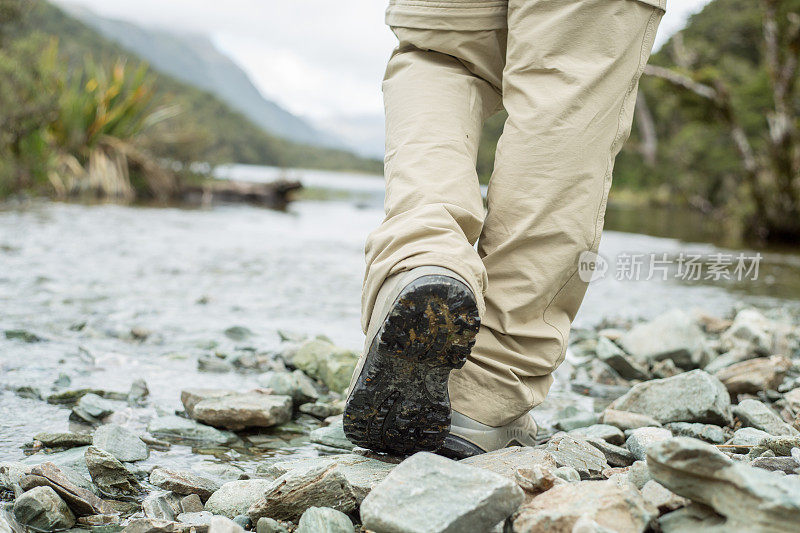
591	266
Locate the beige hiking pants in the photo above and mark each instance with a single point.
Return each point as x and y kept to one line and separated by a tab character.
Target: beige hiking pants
567	72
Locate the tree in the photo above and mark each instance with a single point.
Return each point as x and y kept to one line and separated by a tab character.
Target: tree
769	190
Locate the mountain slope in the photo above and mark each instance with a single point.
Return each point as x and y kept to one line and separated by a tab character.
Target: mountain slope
229	136
194	59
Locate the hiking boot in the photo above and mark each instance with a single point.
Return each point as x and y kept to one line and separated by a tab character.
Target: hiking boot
469	437
423	326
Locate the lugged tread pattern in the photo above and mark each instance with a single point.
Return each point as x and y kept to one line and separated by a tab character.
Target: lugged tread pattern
399	403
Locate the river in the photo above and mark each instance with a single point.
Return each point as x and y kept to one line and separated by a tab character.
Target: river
82	276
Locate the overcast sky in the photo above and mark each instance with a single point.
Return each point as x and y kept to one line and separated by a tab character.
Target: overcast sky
317	58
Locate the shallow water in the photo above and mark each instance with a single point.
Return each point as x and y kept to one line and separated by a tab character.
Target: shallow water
186	275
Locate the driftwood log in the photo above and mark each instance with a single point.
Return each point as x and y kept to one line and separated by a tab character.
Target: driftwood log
274	195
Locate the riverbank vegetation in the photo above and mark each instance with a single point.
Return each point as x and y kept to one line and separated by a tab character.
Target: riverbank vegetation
79	115
717	122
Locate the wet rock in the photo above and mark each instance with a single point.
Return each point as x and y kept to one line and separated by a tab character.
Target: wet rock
110	476
611	504
213	364
98	520
268	525
236	497
162	506
755	414
92	408
694	396
580	455
706	432
750	377
294	492
220	524
507	461
323	410
81	501
152	525
10	475
324	361
191	397
295	384
222	472
324	520
238	411
741	493
238	333
608	433
613	356
641	439
138	392
783	464
73	458
331	436
183	482
63	440
615	455
625	420
750	332
41	509
362	473
172	426
674	335
120	442
662	498
22	335
429	493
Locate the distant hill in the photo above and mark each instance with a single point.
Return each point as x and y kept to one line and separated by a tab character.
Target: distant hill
194	59
231	136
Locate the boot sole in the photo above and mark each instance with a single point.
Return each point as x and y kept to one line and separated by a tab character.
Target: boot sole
399	403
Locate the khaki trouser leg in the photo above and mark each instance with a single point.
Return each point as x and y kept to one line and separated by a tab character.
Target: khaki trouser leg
439	88
569	86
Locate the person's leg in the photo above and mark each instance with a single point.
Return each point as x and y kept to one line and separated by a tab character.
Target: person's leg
422	290
569	86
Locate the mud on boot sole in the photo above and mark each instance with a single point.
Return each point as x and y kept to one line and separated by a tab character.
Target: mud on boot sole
399	403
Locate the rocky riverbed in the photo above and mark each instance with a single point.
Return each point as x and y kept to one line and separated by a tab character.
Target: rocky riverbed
689	422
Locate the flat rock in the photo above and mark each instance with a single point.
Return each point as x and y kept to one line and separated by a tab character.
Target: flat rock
755	414
183	482
698	517
200	520
695	470
615	455
120	442
781	445
579	454
324	520
362	473
243	410
73	458
10	475
507	461
177	427
81	501
63	440
641	439
429	493
694	396
331	436
705	432
755	375
662	498
316	485
191	397
751	331
607	432
786	465
220	524
92	408
222	472
42	509
625	420
611	504
747	437
162	505
110	476
234	498
674	335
